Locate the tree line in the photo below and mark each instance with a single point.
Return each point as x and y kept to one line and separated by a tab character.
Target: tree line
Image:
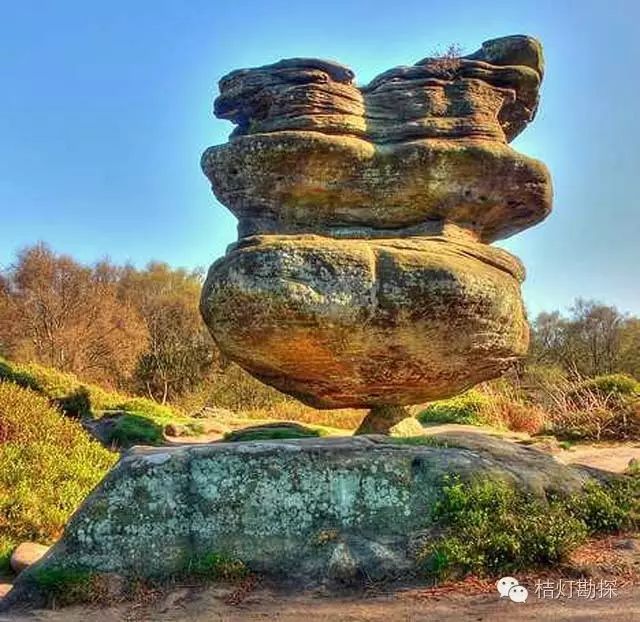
139	330
132	329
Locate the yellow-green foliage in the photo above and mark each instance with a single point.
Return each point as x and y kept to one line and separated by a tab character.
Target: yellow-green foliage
617	385
470	408
56	384
490	527
78	399
48	465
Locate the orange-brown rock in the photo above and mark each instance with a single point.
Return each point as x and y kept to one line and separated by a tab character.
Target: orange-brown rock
343	186
367	322
363	275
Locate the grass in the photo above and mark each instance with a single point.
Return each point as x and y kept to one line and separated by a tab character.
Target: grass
65	586
215	567
136	430
142	420
469	408
547	401
272	431
6	549
48	465
492	528
421	441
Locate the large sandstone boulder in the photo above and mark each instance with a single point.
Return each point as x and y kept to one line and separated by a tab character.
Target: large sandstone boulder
291	509
362	277
291	182
343	323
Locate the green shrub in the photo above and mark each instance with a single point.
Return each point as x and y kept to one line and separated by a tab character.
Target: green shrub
490	527
6	549
147	408
64	586
136	430
66	392
272	432
22	379
613	384
48	465
214	566
469	408
77	404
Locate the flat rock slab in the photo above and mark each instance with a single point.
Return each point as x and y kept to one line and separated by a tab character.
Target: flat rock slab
309	510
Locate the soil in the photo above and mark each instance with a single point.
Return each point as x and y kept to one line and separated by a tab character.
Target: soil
211	604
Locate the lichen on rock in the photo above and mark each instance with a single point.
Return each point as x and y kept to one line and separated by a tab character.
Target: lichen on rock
304	510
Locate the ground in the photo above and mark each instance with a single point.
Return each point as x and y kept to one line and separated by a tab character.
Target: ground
468	600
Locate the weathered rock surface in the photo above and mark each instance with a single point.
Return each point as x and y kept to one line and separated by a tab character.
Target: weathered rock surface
306	510
363	322
26	554
492	93
342	186
362	275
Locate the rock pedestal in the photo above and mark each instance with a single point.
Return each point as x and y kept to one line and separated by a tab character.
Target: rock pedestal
362	276
307	511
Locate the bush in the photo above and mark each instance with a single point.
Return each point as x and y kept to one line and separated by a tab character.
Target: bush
77	404
65	586
135	430
48	465
147	408
613	384
213	566
490	527
470	408
22	379
521	417
271	432
77	400
604	407
6	549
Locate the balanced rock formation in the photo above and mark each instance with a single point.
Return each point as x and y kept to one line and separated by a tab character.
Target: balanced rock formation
363	275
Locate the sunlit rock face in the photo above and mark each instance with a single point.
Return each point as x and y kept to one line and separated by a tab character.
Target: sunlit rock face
363	275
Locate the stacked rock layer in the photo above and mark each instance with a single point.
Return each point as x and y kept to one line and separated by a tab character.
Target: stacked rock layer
363	276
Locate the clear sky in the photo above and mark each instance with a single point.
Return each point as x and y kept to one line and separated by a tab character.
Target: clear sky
106	108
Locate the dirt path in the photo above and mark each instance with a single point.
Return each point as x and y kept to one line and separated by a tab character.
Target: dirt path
409	605
608	457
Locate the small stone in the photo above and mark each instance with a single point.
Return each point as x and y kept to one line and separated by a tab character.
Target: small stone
26	554
342	566
174	429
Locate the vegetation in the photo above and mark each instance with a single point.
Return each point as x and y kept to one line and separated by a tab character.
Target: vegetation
594	339
66	586
140	420
135	430
273	432
48	465
494	405
127	329
492	528
214	566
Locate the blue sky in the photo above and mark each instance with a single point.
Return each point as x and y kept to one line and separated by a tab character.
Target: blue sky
106	108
